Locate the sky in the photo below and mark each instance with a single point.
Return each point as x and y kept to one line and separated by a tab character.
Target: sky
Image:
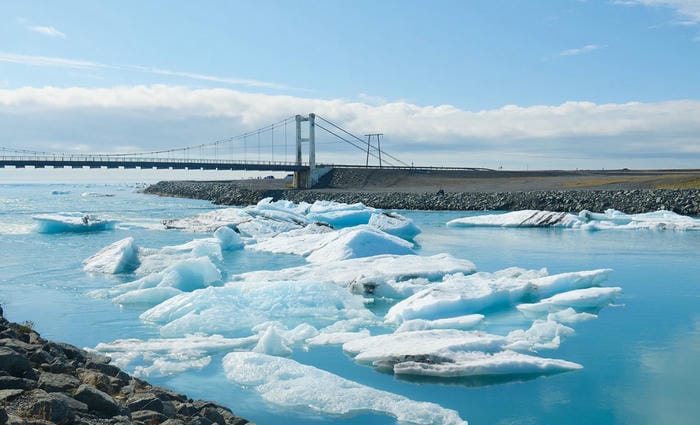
560	84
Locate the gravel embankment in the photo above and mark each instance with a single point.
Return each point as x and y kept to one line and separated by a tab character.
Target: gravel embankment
682	201
45	382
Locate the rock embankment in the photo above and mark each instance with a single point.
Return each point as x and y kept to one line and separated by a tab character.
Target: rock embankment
682	201
44	382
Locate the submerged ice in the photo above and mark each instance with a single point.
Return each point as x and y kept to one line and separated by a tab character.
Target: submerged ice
71	222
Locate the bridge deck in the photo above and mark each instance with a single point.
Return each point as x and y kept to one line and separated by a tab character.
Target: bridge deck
199	164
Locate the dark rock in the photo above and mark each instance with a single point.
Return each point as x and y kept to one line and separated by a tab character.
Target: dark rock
97	401
9	394
173	422
3	412
72	403
54	382
144	401
15	364
96	379
148	416
49	407
200	421
12	382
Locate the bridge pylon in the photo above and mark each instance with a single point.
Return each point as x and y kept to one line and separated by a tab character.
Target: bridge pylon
306	179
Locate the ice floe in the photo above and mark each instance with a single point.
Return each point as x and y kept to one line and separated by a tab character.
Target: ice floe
581	299
119	257
450	353
286	383
587	220
237	307
458	294
71	222
166	356
269	218
393	276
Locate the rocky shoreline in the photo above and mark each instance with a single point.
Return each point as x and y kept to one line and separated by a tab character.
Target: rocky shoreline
681	201
45	382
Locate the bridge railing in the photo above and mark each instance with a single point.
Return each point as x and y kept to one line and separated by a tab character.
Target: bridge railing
92	159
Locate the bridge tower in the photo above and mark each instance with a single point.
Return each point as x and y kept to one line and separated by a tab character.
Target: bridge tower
306	179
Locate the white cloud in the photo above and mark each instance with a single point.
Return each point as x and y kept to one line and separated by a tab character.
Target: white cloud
581	50
688	9
33	60
50	31
572	134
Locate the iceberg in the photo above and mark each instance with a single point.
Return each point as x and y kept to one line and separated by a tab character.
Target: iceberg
469	364
68	222
394	224
120	257
581	299
586	220
289	384
458	294
325	246
461	322
393	276
161	357
450	353
237	307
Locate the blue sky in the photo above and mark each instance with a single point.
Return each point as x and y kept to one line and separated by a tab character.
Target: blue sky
545	84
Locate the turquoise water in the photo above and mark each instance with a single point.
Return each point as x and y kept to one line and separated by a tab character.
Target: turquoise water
640	357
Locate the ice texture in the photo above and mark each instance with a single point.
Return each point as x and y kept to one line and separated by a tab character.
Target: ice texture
325	246
269	218
581	299
586	220
284	382
394	224
394	276
458	294
159	357
461	322
71	222
229	239
120	257
476	363
237	307
182	276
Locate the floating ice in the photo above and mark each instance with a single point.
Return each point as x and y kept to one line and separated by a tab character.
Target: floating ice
229	239
157	357
353	242
475	363
395	276
459	294
182	276
581	299
269	218
611	219
450	353
337	338
119	257
273	343
462	322
237	307
394	224
68	222
286	383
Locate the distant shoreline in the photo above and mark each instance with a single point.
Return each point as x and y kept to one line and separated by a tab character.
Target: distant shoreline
626	191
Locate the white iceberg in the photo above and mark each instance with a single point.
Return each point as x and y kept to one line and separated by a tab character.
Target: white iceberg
395	276
284	382
461	322
458	294
476	363
160	357
120	257
394	224
325	246
238	307
610	219
580	299
75	222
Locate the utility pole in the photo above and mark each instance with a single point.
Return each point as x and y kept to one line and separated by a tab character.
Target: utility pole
378	136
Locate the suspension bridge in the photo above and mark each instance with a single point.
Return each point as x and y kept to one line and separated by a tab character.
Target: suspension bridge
269	148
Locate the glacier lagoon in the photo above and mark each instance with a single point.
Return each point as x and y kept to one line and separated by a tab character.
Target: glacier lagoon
636	362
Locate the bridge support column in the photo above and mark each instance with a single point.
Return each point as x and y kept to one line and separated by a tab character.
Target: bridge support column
306	179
